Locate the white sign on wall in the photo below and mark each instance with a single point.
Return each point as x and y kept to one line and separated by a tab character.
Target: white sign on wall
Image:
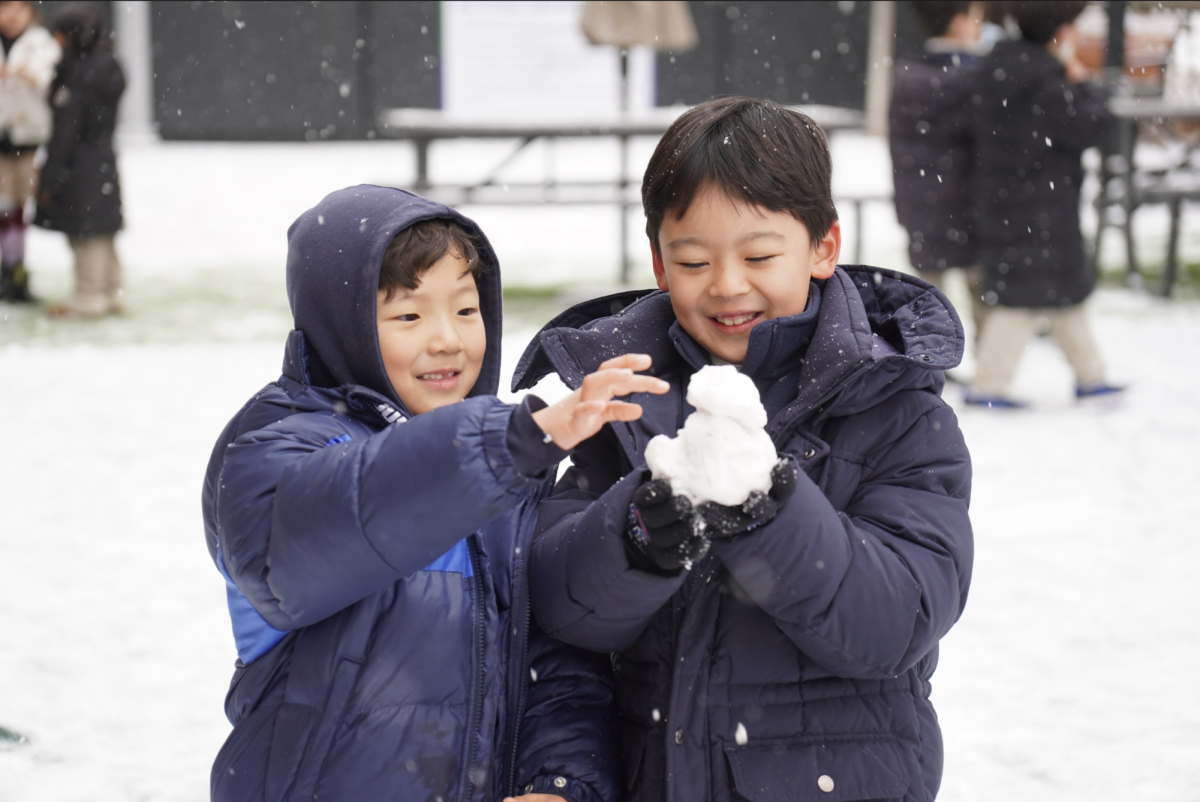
531	58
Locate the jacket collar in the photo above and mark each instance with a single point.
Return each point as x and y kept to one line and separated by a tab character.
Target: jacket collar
878	331
300	364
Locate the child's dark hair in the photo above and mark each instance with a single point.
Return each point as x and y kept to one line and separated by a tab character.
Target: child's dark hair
755	151
1040	21
417	248
935	16
82	27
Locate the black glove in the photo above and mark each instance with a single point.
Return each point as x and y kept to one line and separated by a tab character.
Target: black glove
722	522
664	531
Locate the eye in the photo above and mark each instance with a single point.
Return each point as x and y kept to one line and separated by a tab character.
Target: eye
409	317
758	260
468	311
692	265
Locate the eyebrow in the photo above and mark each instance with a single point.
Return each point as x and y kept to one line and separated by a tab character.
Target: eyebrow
757	235
404	293
748	238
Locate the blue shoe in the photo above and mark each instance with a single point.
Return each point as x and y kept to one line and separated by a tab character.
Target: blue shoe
971	398
1097	390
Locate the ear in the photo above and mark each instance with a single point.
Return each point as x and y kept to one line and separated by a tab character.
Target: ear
826	251
660	272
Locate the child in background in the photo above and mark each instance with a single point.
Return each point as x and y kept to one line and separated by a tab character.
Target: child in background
781	649
79	193
26	70
932	146
1037	114
371	511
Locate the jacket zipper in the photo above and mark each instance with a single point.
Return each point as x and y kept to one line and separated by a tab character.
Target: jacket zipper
481	646
519	709
519	580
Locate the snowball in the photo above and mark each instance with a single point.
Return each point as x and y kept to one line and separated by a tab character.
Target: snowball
722	453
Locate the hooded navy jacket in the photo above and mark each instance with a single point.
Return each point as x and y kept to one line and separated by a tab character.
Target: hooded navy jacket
931	141
792	662
376	564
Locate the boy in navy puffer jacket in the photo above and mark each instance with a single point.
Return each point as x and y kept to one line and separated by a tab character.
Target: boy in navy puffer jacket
780	650
371	512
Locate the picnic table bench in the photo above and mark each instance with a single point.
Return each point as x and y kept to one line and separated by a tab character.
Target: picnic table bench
423	127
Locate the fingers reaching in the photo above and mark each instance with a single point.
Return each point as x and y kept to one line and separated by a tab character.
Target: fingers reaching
627	361
581	414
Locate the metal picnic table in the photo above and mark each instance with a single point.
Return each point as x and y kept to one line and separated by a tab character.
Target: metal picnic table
1172	184
425	126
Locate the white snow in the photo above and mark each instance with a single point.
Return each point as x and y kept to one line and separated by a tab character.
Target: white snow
1070	677
722	453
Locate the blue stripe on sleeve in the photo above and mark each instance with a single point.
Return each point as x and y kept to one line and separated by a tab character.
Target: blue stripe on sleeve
252	634
455	561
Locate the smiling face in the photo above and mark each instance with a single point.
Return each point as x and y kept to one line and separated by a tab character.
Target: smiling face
432	338
729	266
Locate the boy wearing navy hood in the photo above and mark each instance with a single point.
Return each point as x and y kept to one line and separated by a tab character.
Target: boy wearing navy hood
781	649
371	512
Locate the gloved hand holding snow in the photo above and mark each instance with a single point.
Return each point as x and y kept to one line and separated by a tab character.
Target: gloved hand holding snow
722	454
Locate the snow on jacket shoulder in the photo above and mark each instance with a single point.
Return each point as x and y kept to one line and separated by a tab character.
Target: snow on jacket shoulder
804	649
24	107
375	564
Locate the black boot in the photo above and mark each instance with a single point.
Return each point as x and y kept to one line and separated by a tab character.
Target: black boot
14	285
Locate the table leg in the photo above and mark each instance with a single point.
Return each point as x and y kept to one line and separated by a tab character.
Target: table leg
1168	277
1128	142
422	146
858	231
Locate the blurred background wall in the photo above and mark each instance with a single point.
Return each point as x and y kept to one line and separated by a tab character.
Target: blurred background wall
280	71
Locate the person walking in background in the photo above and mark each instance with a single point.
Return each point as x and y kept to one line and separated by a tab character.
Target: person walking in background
26	69
79	193
1035	117
932	146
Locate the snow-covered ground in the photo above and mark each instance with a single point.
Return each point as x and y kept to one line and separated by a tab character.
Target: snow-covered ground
1071	676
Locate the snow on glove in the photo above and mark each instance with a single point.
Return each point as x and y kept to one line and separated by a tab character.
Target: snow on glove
760	508
664	532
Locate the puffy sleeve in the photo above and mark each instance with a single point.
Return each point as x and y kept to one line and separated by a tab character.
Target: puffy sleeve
310	520
868	591
583	587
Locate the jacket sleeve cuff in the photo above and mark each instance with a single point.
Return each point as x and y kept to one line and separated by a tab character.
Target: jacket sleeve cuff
533	453
566	787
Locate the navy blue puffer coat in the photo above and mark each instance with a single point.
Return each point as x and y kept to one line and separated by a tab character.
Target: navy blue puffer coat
932	146
1031	128
376	565
793	662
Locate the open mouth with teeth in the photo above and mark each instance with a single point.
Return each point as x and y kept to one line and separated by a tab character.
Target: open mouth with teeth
442	380
736	322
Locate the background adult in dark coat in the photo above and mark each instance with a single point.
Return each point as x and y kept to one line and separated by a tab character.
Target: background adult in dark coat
1035	118
79	193
932	144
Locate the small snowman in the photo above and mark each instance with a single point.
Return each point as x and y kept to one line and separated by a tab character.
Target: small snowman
722	454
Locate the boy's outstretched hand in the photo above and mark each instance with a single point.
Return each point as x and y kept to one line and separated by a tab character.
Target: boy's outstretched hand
581	414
